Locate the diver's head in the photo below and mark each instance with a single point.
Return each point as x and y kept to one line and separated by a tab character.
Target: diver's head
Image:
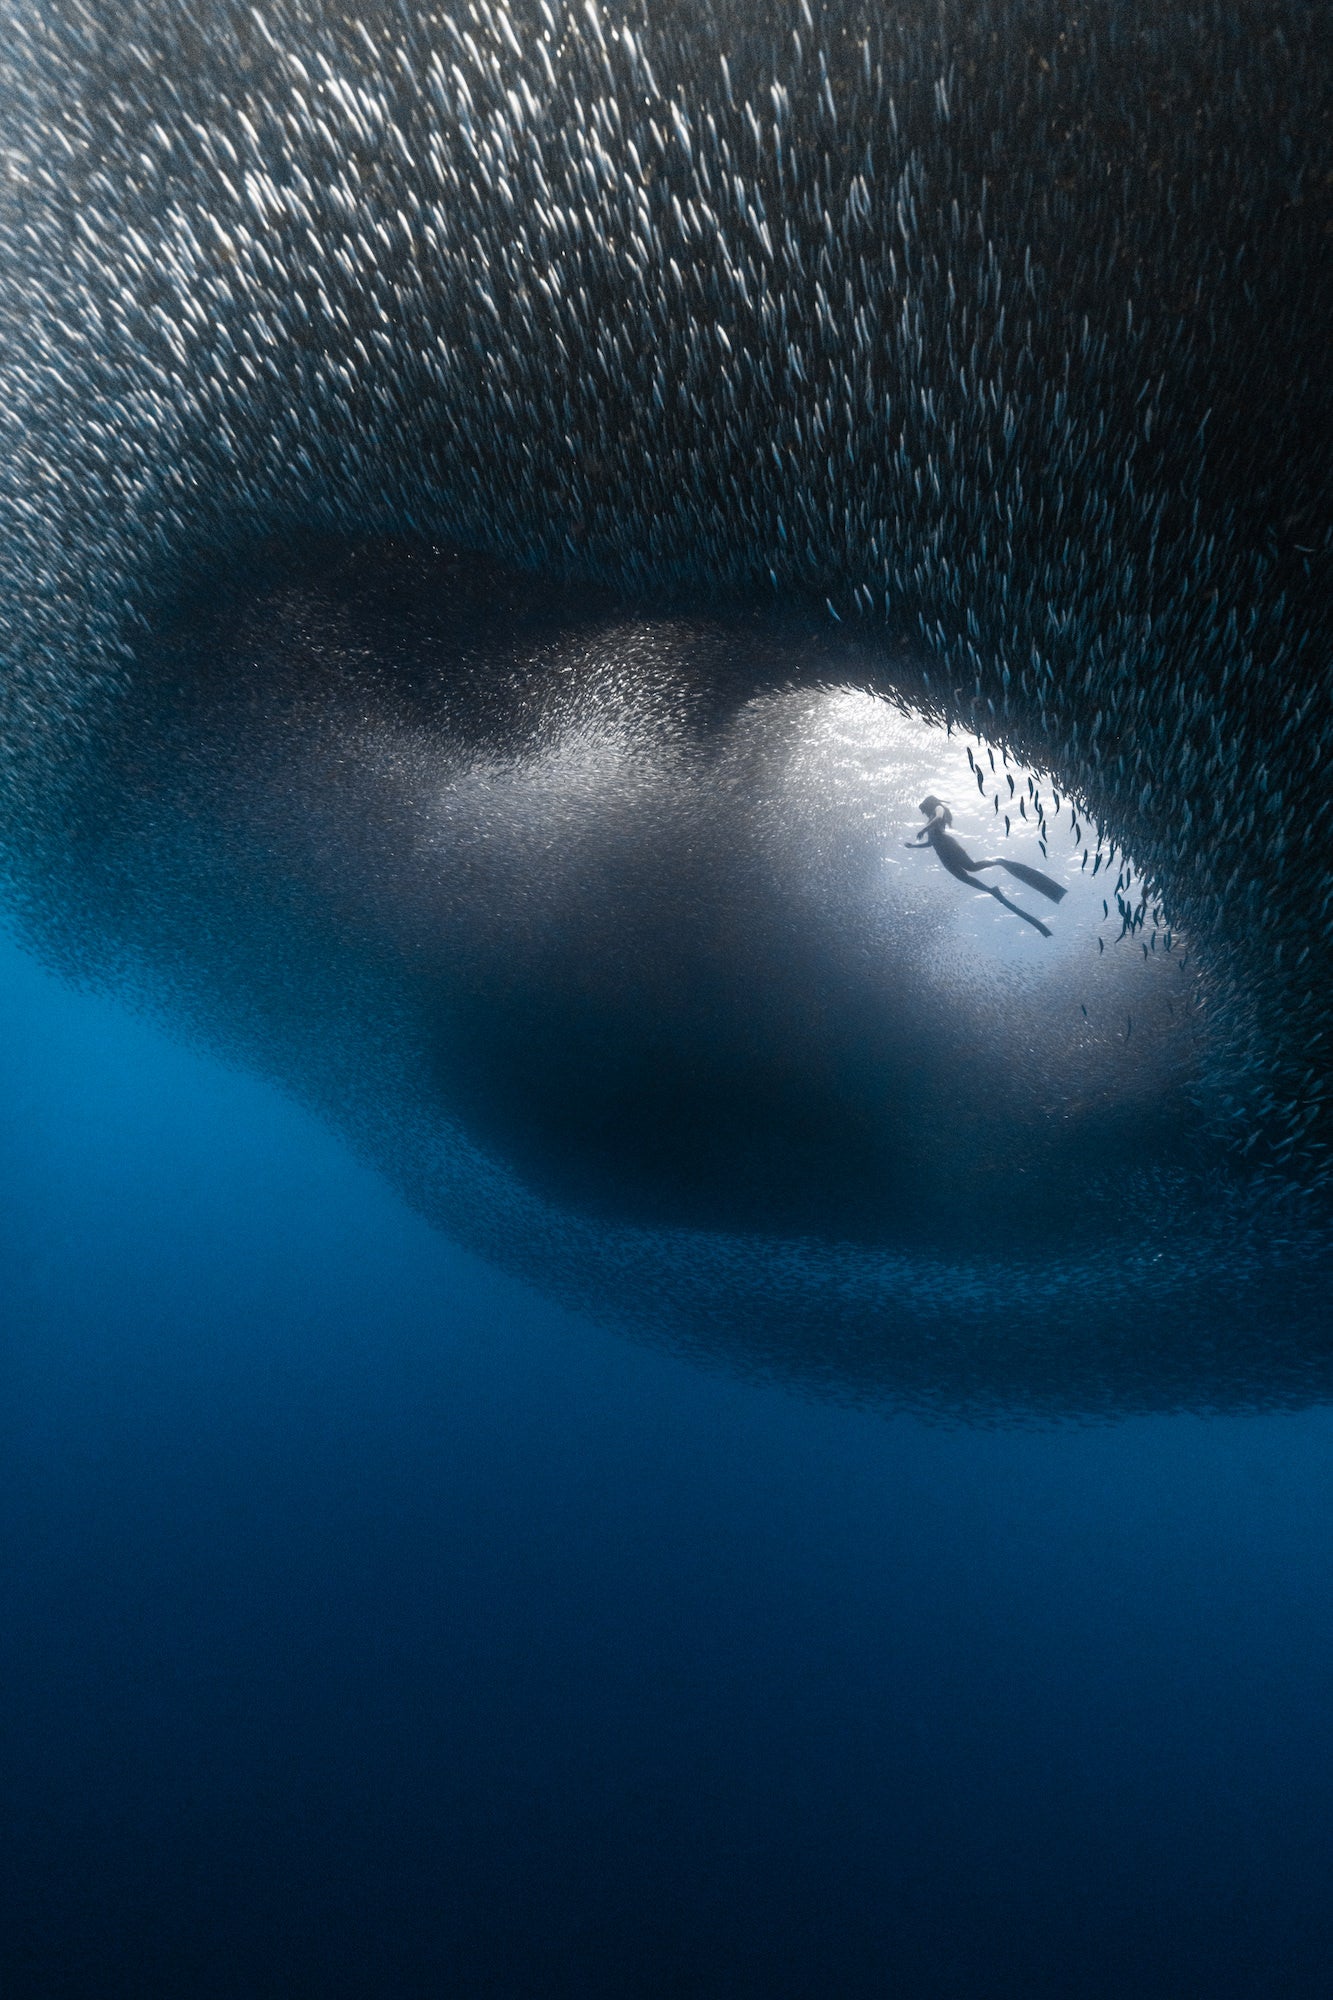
934	808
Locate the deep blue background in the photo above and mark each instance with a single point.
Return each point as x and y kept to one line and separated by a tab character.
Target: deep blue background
369	1627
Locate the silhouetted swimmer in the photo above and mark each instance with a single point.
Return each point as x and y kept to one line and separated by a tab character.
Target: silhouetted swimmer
960	864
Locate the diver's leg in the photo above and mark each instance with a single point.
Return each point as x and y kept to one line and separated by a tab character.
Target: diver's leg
1035	922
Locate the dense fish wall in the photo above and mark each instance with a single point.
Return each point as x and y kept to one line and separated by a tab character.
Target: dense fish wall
993	334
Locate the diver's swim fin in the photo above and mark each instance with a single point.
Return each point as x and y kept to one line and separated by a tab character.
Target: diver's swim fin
1035	879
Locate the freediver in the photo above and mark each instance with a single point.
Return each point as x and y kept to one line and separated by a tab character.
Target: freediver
963	868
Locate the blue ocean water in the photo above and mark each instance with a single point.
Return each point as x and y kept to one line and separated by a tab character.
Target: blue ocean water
370	1627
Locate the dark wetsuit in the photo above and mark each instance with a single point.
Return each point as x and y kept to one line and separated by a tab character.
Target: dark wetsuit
953	854
964	869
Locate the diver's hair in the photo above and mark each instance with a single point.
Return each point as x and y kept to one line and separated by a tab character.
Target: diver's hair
931	805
